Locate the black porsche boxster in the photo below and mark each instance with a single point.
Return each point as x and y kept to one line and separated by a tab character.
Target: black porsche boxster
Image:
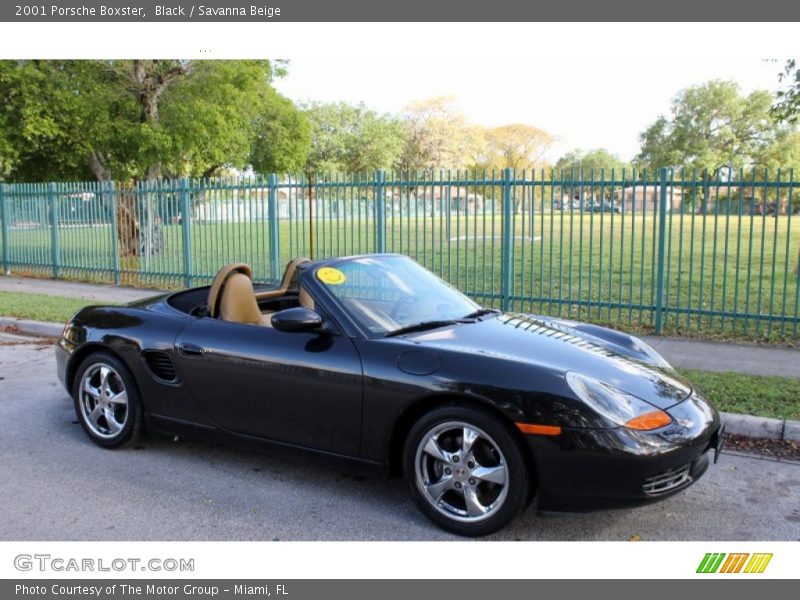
377	359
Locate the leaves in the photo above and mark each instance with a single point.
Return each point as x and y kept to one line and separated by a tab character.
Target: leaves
353	139
787	104
515	146
437	136
132	119
712	127
783	449
599	161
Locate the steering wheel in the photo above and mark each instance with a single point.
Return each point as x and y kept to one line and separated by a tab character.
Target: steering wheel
404	302
444	309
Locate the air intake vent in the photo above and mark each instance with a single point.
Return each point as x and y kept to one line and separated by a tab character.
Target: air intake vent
161	365
666	482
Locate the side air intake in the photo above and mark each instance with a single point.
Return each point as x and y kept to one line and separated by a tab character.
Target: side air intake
160	364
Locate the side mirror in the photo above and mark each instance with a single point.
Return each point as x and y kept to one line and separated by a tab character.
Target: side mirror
296	319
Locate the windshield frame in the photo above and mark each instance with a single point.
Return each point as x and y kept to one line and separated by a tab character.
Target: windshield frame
317	288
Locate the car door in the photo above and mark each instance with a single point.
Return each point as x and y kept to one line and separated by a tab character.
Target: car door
300	388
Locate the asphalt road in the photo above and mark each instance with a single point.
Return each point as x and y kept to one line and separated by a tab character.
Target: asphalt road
56	485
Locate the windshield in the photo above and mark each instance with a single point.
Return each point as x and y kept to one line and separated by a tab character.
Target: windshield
387	293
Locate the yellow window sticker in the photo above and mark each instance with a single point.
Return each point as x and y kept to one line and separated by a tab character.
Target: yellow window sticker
331	276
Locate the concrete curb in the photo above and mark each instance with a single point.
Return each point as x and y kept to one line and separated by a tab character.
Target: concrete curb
761	427
35	328
746	425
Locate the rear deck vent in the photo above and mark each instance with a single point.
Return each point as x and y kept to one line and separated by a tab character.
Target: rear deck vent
161	365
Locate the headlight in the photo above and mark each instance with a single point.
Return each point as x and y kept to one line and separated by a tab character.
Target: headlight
617	406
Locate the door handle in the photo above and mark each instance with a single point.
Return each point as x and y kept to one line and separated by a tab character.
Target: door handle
191	349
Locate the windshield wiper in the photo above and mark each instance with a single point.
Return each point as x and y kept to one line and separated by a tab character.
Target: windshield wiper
425	325
482	312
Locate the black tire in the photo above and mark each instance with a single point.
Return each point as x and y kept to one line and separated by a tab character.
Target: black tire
518	477
132	427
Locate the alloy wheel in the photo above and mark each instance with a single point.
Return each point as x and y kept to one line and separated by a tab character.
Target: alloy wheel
103	400
461	471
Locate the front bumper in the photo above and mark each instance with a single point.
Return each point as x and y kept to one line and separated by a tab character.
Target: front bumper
63	351
592	469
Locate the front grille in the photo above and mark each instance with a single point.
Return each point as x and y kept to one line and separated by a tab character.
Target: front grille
666	482
161	366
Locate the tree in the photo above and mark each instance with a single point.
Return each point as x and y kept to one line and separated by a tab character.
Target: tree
787	105
598	160
141	119
436	136
787	108
784	154
244	121
41	121
711	127
597	164
514	146
347	138
282	137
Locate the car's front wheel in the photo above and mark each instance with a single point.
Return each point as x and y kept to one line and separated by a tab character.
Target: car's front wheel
466	470
106	401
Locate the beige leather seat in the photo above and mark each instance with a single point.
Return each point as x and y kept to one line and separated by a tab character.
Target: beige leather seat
237	302
304	298
232	298
220	279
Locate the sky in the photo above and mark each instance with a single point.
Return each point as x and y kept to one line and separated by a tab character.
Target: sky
590	85
587	104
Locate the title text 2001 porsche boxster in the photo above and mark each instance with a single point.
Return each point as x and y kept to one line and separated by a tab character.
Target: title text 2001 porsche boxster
375	358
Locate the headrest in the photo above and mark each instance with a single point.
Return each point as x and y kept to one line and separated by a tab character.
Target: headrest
219	281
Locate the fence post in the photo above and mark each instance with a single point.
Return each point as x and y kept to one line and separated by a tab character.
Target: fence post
507	241
4	218
186	229
662	238
380	212
274	229
112	194
55	249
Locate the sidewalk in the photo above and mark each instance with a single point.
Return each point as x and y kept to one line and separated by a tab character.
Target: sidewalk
750	359
75	289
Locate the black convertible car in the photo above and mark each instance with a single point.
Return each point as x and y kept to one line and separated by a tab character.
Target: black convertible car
377	359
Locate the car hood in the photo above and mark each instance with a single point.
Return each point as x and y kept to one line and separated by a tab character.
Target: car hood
559	347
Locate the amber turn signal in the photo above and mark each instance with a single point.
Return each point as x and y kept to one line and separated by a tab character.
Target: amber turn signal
649	420
539	429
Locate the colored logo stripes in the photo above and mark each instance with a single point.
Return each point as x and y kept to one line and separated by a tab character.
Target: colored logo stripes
735	562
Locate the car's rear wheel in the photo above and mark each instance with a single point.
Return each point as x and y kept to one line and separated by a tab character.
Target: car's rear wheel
466	470
106	401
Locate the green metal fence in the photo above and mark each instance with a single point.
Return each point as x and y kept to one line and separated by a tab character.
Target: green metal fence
662	251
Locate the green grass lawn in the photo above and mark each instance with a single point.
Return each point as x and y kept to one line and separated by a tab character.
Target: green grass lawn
765	396
40	307
723	274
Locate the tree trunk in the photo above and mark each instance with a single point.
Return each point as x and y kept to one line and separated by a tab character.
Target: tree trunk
797	268
127	224
124	207
98	166
150	82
